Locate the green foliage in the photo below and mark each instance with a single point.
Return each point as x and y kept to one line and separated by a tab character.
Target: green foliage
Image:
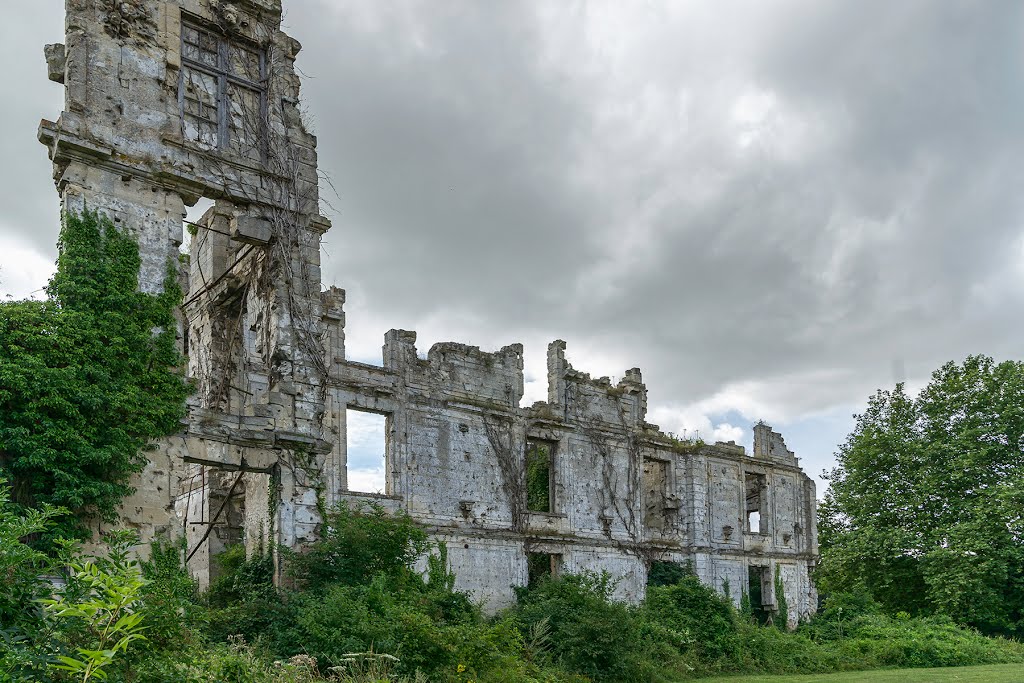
362	595
407	624
99	611
22	566
244	600
590	634
666	574
538	477
704	621
346	619
24	570
782	606
924	506
236	662
87	377
175	615
356	544
746	611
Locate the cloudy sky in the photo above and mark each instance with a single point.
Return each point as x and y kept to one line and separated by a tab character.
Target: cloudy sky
773	208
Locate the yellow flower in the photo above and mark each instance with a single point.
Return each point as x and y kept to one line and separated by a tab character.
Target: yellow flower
462	667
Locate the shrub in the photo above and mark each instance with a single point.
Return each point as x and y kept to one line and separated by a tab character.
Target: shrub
341	620
704	621
87	377
666	573
244	600
767	649
590	634
175	616
22	566
97	615
356	544
236	662
925	642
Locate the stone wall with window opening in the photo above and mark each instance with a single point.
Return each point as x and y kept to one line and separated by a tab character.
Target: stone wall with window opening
180	100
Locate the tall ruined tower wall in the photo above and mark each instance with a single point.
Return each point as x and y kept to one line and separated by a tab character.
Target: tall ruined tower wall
169	102
166	103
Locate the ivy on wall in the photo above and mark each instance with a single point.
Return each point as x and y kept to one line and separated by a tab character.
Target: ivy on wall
87	377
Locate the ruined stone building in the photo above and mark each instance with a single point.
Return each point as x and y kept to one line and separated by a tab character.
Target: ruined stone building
172	101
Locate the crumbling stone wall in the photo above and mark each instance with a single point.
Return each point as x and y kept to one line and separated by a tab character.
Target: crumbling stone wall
167	102
170	101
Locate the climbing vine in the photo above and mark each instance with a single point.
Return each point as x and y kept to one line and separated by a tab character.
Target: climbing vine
780	598
87	377
605	443
501	436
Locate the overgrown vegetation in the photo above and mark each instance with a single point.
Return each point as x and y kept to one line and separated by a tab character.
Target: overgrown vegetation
923	521
87	377
924	508
393	623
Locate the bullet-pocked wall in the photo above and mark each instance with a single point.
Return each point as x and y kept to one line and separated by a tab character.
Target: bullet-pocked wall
169	102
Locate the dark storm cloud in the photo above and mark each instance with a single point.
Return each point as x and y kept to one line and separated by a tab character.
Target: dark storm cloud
29	214
451	147
764	205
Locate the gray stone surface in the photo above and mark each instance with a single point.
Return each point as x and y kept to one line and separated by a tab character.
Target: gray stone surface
171	101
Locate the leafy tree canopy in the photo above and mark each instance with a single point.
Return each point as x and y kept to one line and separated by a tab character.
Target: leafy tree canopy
87	377
926	506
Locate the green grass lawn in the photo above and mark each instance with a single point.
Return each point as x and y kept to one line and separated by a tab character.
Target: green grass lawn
1004	673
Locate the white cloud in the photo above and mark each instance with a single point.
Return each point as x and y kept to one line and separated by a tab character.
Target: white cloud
762	205
366	480
24	271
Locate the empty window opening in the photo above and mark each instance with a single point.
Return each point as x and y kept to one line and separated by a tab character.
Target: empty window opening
540	476
366	439
755	485
655	483
759	592
665	573
222	93
540	565
193	221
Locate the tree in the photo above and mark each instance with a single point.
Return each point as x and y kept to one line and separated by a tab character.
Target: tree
87	377
926	506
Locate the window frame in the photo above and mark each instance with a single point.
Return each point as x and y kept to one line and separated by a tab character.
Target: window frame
554	566
225	78
389	474
761	480
552	451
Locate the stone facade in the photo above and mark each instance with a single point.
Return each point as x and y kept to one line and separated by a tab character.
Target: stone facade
168	102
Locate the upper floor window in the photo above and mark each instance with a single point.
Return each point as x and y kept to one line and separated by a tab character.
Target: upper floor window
540	475
222	93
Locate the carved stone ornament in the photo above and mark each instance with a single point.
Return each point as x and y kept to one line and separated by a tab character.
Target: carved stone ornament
229	19
128	20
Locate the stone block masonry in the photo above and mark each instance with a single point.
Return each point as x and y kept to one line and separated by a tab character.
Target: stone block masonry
168	102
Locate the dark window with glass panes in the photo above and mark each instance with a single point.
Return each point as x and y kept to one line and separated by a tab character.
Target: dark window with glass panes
222	93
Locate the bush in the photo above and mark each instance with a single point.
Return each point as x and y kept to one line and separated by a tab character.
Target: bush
175	615
332	624
356	544
244	600
704	622
590	634
235	661
767	649
924	642
666	573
